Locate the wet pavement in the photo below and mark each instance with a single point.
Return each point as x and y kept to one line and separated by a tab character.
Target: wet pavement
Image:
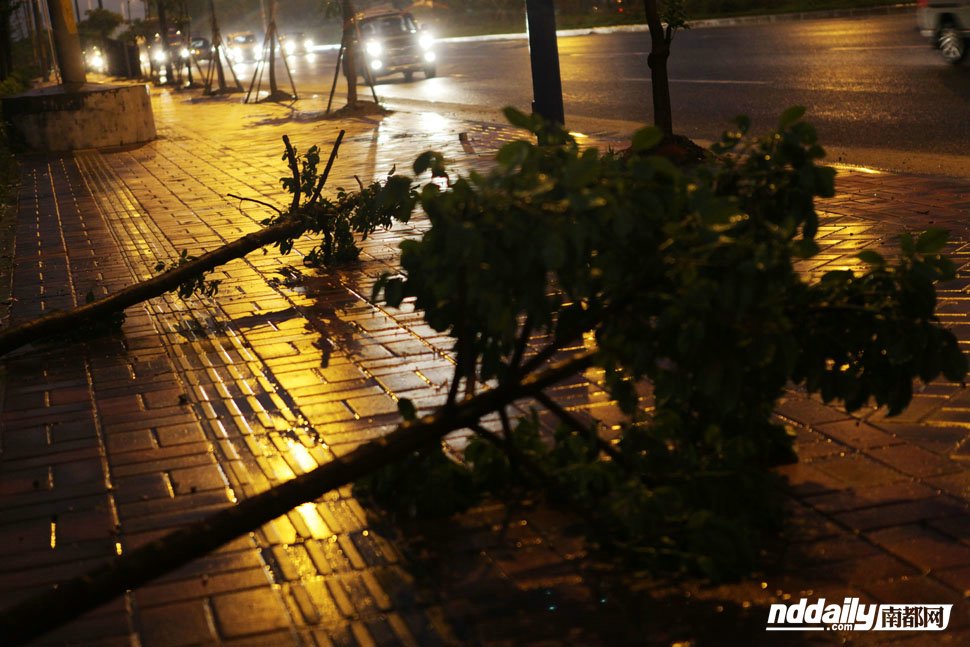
111	442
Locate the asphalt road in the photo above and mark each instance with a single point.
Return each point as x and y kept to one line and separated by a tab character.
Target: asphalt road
877	92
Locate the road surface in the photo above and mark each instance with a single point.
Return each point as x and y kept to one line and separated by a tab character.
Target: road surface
878	93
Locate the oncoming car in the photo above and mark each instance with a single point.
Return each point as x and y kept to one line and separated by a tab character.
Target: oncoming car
201	48
95	61
243	47
296	43
392	42
947	22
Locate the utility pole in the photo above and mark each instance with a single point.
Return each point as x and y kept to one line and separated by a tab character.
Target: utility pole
544	54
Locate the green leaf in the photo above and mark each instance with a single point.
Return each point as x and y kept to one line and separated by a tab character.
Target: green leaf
554	252
394	291
790	116
743	122
406	408
646	138
430	160
805	248
824	181
932	240
906	243
870	257
520	119
514	153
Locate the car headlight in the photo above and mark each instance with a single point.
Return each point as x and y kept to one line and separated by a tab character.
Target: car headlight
426	40
159	56
308	44
184	52
97	62
289	47
373	48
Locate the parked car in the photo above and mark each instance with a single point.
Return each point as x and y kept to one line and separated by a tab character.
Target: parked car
244	47
392	42
947	22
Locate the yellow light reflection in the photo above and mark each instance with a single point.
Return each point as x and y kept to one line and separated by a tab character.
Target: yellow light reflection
858	169
316	524
301	455
433	122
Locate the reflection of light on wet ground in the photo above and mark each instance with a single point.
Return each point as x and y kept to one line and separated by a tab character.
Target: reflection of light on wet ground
432	121
316	524
858	169
301	455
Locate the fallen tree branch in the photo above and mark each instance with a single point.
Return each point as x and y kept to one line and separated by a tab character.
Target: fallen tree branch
68	321
326	170
68	600
288	226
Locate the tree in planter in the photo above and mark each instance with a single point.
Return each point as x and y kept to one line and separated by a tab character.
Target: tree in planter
683	277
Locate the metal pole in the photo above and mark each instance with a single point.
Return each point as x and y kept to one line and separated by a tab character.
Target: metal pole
68	44
544	54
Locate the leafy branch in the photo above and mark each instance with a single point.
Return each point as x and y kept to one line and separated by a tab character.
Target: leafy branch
337	222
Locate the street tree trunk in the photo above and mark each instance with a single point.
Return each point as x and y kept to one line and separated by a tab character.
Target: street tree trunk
350	54
657	60
163	28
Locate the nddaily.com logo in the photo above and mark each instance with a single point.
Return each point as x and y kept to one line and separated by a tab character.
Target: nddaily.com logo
850	615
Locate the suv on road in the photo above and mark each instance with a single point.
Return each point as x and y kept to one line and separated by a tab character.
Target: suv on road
392	42
947	22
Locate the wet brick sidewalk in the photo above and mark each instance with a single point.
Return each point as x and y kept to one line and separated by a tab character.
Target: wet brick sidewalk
111	442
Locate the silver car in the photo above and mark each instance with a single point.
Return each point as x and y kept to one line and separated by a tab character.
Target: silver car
947	22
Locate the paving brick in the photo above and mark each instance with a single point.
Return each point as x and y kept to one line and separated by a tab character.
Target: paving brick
923	547
864	497
914	461
898	514
856	433
198	479
175	625
248	612
857	470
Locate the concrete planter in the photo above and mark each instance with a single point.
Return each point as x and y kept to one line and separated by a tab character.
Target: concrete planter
76	116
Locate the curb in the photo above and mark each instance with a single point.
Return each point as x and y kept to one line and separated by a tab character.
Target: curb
711	22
